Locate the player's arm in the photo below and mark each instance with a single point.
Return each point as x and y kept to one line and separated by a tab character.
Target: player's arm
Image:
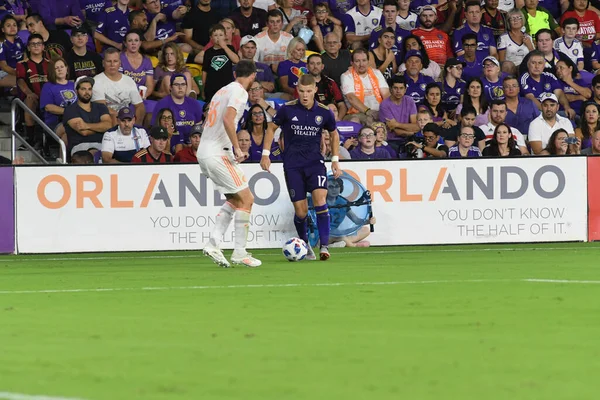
265	160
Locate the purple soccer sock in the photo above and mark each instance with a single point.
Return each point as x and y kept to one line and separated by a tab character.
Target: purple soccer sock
323	223
301	228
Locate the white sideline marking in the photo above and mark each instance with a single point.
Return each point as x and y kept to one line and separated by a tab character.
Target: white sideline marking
20	396
287	285
342	253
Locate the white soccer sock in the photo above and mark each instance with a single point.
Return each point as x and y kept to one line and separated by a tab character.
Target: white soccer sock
222	222
241	222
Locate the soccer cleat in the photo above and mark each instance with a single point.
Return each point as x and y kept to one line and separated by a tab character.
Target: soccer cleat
245	259
324	253
310	255
216	255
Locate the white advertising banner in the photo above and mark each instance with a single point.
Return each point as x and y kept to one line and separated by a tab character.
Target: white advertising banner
172	207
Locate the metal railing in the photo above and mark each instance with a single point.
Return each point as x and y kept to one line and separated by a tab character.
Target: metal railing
13	117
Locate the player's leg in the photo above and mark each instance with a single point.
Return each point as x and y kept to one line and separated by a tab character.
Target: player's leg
295	181
243	200
316	181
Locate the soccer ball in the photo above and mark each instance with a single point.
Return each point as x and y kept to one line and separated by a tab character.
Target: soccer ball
295	249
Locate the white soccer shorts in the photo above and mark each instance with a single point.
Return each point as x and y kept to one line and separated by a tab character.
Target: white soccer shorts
226	174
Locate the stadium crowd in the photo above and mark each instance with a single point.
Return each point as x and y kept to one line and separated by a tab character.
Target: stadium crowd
132	80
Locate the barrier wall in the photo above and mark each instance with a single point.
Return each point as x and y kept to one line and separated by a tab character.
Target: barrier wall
7	210
171	207
593	198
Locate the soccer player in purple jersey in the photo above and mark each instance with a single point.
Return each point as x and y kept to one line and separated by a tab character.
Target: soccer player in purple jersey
302	122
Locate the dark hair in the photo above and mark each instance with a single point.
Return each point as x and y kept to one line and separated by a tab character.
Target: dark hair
245	68
339	181
482	99
494	141
34	36
306	80
275	13
572	5
543	30
391	3
595	80
360	50
510	78
468	36
52	71
215	27
387	30
162	112
424	56
439	109
431	127
249	126
133	15
314	54
497	102
570	21
551	146
468	127
82	157
400	79
134	32
468	109
571	64
471	4
110	50
37	17
585	129
7	18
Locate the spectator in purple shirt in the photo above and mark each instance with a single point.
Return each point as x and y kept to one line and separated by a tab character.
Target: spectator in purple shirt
465	147
399	113
61	14
257	127
416	82
520	111
12	51
93	10
576	84
486	44
366	149
57	94
472	68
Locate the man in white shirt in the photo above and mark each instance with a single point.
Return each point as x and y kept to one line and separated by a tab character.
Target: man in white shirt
271	45
122	142
116	90
360	21
549	121
364	89
498	116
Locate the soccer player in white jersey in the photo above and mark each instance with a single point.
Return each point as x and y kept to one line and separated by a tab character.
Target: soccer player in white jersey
218	156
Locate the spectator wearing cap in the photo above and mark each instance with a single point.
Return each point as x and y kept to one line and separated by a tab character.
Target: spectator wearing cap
432	146
264	74
436	42
120	143
271	44
492	79
364	89
85	121
547	123
366	149
32	74
113	24
335	59
196	24
12	50
116	90
81	61
430	67
188	153
514	44
416	81
187	111
249	19
360	21
399	113
155	153
535	82
390	16
328	92
453	87
520	110
486	44
56	42
497	117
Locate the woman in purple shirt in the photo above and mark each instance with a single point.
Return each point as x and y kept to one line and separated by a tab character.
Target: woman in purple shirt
291	69
590	123
138	67
465	148
257	127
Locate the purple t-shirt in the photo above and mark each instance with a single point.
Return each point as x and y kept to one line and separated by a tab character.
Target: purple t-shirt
338	7
493	90
301	130
379	154
114	24
416	90
12	53
94	8
164	29
472	69
186	115
52	9
139	74
547	84
255	151
59	95
585	81
401	113
526	112
292	70
451	95
454	152
485	40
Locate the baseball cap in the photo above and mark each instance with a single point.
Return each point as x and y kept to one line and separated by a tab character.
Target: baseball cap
413	53
158	132
78	29
492	59
174	76
427	8
83	79
125	112
548	96
454	61
197	130
247	39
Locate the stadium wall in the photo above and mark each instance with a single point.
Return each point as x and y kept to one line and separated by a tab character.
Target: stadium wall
7	210
172	207
593	186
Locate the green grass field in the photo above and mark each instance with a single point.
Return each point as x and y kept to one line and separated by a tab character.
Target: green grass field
453	322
